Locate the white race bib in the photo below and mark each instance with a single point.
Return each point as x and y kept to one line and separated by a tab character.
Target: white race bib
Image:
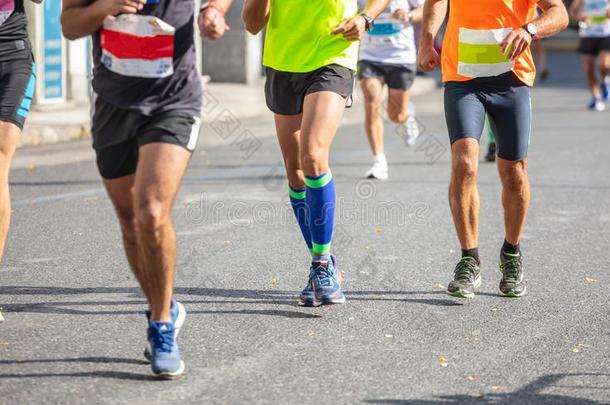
138	46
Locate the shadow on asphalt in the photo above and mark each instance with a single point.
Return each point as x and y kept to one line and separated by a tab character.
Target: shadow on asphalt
529	394
228	296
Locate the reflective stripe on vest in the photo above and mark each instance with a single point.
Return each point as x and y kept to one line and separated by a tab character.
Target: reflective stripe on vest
480	54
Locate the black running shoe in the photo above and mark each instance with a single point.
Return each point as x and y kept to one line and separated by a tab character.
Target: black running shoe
511	267
491	153
466	278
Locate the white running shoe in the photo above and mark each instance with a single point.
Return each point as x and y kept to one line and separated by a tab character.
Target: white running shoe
411	130
379	170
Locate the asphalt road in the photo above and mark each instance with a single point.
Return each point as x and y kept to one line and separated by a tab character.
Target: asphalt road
74	327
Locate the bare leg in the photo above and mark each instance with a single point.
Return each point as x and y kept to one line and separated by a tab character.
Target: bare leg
322	113
515	197
121	193
604	64
588	63
9	135
463	192
288	128
160	170
398	106
372	88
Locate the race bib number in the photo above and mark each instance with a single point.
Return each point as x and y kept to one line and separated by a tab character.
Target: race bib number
138	46
386	29
6	9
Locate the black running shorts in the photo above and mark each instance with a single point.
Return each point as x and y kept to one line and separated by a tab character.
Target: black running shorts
285	91
17	84
118	135
593	45
396	76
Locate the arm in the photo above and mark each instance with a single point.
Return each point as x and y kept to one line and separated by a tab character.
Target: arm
434	13
211	19
553	19
80	19
353	28
416	13
575	8
255	15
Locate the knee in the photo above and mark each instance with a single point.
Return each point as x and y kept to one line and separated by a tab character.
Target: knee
397	116
294	173
312	163
514	177
465	170
151	216
129	227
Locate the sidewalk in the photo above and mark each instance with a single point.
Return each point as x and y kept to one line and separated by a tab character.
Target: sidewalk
70	122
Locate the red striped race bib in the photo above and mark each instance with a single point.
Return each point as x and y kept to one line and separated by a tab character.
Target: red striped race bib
138	46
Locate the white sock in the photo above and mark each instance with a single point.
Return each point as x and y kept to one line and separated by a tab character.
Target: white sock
381	158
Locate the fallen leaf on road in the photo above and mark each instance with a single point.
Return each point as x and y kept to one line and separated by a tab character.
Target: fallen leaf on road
443	361
591	280
312	333
375	296
275	282
498	388
90	199
580	347
472	378
451	251
1	317
378	230
389	336
438	285
227	242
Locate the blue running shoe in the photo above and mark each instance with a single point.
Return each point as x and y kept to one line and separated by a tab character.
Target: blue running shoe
178	314
605	88
308	295
326	284
165	361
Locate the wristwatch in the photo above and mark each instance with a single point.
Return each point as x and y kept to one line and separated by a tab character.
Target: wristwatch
410	16
368	20
531	29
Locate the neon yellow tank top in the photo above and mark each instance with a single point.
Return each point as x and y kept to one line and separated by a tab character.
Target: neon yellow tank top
299	35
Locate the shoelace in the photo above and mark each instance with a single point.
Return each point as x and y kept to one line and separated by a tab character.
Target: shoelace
324	275
464	271
511	268
162	340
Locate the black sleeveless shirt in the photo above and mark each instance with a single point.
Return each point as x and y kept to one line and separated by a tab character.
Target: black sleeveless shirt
14	41
181	92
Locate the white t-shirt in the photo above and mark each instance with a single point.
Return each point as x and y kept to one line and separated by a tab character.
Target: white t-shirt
391	41
597	24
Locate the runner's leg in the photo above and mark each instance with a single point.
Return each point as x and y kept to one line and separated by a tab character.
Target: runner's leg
515	197
322	113
372	88
157	180
463	191
9	135
398	104
588	62
288	128
121	193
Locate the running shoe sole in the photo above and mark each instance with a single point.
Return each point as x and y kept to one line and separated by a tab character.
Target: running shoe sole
178	325
309	303
170	375
462	294
512	294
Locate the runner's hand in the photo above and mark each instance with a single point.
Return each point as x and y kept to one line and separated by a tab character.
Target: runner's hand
401	15
212	23
353	29
515	43
116	7
427	58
